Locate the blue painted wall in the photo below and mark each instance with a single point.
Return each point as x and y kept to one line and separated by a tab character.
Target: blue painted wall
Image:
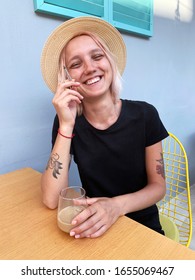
160	70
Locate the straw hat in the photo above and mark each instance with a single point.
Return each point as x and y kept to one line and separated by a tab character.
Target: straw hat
62	34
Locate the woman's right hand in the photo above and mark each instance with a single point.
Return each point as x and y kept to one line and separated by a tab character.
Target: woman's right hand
65	101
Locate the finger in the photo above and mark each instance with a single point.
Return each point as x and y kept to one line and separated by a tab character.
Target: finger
66	96
74	92
68	84
82	201
84	216
65	86
63	102
99	232
87	222
90	230
66	91
90	201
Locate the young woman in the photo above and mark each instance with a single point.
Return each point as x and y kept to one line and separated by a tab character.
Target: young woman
115	143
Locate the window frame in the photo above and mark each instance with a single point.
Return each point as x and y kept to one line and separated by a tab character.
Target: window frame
41	6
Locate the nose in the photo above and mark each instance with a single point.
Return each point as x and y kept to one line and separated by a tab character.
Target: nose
89	67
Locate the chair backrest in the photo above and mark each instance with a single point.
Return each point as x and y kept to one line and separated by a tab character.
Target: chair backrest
176	204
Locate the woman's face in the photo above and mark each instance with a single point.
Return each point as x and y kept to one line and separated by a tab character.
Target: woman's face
87	64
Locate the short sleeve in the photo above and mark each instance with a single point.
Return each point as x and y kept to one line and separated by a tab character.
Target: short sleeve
155	130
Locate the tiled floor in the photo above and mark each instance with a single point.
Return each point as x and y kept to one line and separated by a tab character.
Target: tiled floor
192	244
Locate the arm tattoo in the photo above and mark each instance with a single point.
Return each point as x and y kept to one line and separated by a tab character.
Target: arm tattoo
160	167
54	164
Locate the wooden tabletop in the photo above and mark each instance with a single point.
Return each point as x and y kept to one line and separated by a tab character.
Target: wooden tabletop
29	230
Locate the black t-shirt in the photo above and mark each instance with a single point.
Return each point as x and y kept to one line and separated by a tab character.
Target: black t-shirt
111	162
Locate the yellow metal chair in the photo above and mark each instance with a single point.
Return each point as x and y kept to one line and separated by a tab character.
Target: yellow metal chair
175	207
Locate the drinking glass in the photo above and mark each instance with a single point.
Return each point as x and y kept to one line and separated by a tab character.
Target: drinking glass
68	208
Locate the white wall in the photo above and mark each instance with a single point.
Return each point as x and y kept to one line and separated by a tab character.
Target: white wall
160	70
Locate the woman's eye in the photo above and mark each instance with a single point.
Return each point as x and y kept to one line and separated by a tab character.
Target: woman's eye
75	65
98	56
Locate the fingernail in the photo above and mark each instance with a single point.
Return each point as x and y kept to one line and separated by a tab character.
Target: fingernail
77	236
74	222
72	233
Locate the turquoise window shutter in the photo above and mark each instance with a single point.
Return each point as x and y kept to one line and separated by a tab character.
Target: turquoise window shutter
133	16
93	7
70	8
127	15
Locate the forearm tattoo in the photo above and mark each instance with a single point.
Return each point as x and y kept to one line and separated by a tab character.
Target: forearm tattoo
160	167
54	164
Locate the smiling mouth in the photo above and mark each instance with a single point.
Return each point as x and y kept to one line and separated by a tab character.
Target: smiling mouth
93	81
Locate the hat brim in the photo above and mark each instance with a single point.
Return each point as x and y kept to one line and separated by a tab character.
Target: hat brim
62	34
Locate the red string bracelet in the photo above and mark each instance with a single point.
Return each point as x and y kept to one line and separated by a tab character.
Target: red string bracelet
68	137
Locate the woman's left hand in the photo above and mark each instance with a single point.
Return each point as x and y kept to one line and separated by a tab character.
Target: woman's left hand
96	219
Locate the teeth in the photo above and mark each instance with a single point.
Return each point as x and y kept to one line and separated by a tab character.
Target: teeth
92	81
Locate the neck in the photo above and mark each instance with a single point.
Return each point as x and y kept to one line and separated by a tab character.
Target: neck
102	113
